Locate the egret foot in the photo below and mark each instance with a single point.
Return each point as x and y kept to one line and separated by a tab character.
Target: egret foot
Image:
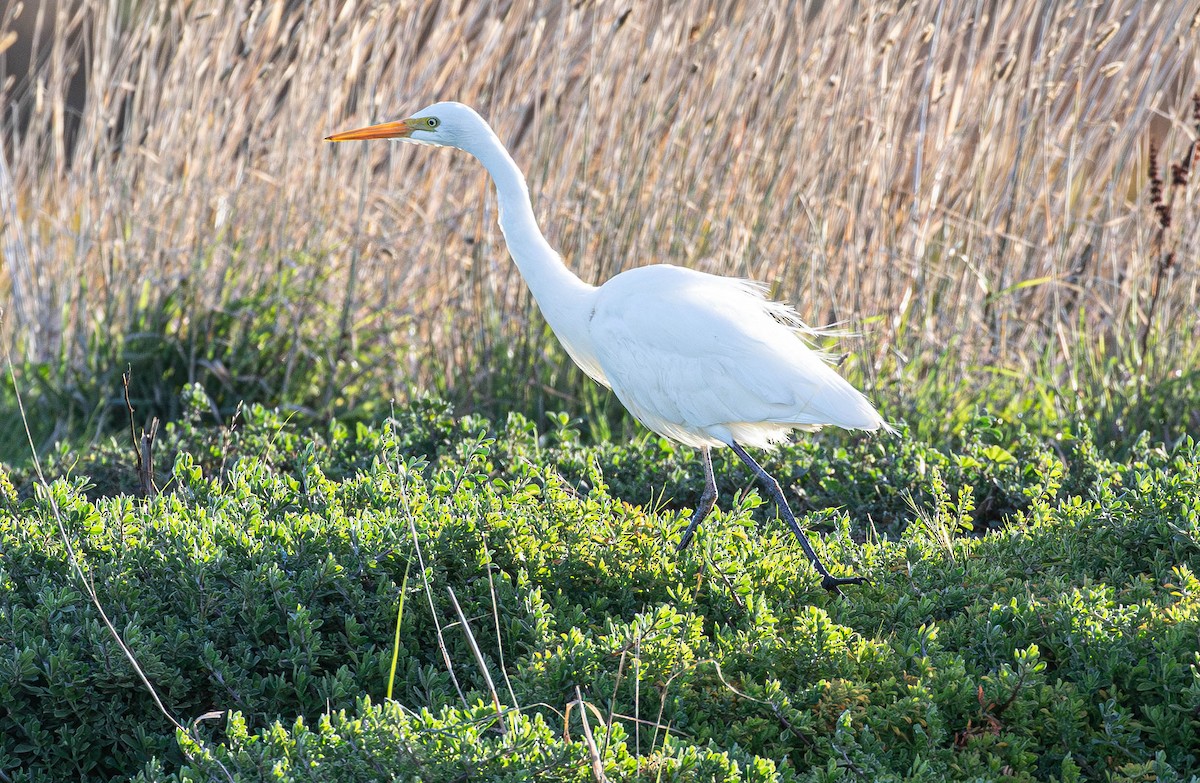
828	580
831	583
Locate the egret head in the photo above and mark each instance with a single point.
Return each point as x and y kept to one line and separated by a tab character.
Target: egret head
446	124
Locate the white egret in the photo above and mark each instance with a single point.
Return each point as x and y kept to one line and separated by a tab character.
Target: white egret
705	360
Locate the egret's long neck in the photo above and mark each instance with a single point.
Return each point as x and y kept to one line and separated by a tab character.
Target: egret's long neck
561	295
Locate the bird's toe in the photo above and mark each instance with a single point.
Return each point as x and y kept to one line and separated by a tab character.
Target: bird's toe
831	583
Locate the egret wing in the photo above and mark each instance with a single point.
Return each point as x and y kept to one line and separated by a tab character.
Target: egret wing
700	358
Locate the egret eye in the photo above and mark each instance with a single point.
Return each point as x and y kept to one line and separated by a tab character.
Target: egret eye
432	122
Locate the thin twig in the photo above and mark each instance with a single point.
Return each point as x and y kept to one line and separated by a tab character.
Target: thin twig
487	553
146	467
412	527
133	438
487	676
593	753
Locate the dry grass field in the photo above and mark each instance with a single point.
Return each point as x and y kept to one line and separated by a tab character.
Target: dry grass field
964	184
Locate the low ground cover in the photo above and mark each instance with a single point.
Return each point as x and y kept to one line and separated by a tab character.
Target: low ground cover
1032	613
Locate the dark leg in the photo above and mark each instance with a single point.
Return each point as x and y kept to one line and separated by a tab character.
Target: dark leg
706	500
828	581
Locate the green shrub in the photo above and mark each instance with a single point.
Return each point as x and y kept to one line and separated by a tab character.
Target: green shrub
1031	615
392	743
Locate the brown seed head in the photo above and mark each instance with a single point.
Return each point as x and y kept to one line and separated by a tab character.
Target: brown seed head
1164	215
1156	184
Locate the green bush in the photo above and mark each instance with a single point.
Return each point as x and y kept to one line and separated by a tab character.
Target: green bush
1032	610
392	743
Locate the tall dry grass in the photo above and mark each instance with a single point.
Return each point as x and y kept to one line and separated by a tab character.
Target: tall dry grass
960	180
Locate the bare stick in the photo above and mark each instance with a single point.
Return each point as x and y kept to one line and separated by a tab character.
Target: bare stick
412	527
496	618
146	466
597	763
487	676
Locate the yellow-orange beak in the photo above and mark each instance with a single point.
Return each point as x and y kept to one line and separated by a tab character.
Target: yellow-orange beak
387	130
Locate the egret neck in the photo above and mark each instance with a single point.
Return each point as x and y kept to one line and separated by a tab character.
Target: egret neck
564	299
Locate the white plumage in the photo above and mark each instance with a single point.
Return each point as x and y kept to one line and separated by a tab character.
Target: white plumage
705	360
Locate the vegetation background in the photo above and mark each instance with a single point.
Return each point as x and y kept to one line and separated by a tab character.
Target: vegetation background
965	185
999	199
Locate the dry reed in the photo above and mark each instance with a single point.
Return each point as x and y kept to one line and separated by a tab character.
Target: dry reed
948	175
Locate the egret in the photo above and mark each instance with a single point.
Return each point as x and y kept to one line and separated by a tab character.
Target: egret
704	360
